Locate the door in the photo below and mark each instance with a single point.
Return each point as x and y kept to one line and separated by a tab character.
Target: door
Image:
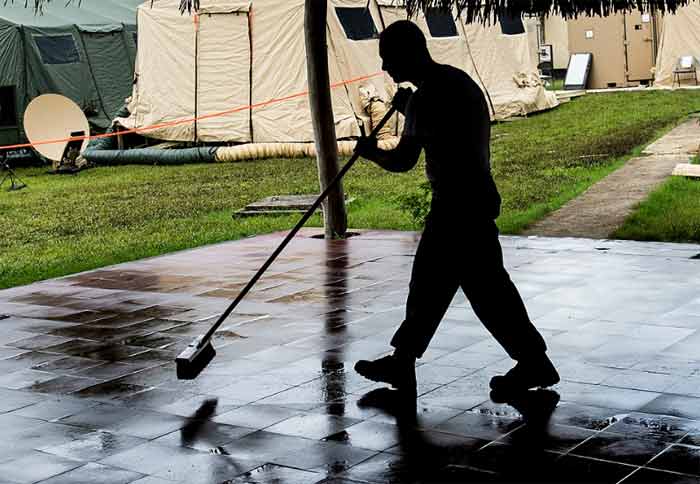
640	46
9	128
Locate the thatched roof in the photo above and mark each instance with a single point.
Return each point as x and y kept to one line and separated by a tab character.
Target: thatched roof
482	10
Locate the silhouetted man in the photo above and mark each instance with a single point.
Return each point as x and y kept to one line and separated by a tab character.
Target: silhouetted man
447	116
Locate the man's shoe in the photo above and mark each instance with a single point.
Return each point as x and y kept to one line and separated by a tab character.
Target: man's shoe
525	375
398	373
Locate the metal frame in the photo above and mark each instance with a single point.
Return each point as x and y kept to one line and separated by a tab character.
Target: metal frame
677	75
585	76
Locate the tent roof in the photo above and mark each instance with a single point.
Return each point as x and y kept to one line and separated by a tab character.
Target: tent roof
57	13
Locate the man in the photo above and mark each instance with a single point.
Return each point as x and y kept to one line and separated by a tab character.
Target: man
447	116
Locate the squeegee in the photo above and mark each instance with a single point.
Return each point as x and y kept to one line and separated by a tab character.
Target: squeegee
200	352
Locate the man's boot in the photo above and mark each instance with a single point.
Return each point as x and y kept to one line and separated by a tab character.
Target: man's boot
400	373
526	374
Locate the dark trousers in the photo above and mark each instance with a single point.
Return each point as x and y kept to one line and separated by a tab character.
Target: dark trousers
453	253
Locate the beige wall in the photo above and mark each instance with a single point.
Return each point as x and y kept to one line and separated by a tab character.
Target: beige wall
613	62
556	32
531	25
606	45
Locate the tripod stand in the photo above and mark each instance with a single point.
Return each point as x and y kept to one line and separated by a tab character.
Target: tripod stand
15	182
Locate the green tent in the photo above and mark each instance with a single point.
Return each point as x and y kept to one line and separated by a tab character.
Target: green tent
85	52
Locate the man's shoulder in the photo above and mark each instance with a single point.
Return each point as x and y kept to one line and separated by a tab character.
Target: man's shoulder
452	93
448	72
447	77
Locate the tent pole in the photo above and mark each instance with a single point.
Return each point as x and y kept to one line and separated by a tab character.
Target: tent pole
196	75
79	33
250	73
335	216
20	108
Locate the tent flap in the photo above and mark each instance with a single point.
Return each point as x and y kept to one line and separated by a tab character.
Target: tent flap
11	82
223	6
101	29
57	62
112	70
223	77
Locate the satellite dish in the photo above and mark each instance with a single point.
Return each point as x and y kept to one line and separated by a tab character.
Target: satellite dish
54	117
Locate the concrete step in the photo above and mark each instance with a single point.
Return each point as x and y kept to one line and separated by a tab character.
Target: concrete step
281	205
687	169
564	96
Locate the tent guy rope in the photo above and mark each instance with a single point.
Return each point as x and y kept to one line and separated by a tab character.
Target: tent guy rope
189	120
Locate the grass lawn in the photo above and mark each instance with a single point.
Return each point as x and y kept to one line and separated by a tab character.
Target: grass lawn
556	85
670	214
64	224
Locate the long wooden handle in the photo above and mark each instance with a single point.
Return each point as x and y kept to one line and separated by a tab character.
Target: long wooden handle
293	232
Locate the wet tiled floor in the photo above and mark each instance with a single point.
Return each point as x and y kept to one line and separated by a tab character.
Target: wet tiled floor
88	392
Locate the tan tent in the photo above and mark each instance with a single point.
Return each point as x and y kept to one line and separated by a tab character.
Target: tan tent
235	53
507	66
680	36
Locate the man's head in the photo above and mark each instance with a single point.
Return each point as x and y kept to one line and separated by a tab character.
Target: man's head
404	51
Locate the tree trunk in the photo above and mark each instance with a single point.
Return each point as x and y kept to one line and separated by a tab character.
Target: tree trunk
335	217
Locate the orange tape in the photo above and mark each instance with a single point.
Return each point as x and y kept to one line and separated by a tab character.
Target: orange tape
188	120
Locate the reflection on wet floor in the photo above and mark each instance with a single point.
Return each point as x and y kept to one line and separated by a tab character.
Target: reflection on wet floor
196	423
88	391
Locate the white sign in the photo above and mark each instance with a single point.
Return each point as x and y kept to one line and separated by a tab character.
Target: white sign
646	18
578	70
589	34
546	53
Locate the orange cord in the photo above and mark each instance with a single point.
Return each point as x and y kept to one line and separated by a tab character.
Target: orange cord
188	120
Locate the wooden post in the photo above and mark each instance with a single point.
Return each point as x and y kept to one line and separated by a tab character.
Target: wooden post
120	138
335	217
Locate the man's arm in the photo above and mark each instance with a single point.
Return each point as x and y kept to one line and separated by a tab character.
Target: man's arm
400	159
405	155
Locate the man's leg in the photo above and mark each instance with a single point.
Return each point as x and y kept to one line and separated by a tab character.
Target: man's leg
434	282
497	303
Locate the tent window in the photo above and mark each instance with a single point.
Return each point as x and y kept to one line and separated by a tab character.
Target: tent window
57	49
511	24
8	111
357	23
440	23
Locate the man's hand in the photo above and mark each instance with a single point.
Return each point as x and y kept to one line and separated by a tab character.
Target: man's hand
367	147
401	98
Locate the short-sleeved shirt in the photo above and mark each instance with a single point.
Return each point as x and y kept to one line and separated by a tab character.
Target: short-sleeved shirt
448	116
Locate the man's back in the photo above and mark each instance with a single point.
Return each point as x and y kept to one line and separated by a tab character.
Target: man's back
449	117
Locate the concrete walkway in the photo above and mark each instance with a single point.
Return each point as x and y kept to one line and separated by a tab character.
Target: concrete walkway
604	206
